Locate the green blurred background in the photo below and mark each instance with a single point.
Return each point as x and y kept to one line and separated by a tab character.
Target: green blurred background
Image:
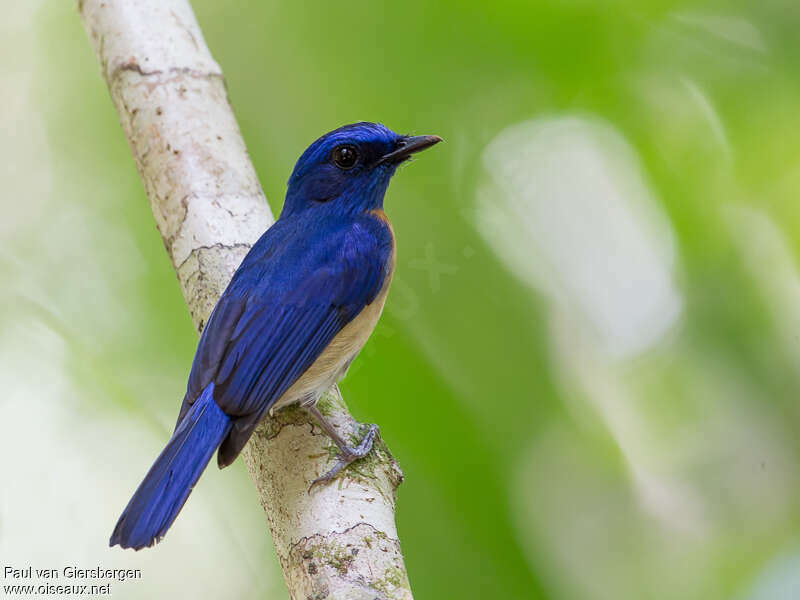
588	364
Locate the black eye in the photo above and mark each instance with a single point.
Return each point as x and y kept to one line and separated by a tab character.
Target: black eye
345	157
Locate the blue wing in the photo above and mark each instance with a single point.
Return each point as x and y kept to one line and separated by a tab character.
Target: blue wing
291	295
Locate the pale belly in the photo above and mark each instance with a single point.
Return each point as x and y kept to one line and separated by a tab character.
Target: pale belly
332	364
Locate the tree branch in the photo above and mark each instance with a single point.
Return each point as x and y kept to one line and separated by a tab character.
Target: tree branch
340	540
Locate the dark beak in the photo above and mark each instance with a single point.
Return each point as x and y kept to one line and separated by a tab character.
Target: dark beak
409	145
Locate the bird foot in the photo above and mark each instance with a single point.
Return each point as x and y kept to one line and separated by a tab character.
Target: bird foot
348	455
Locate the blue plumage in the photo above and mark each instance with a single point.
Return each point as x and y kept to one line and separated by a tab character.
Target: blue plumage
167	485
320	271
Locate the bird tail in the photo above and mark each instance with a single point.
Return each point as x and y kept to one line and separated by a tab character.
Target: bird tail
168	483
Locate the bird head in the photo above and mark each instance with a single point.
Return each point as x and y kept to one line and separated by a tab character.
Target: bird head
348	169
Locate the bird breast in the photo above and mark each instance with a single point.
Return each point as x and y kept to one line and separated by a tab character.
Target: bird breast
331	365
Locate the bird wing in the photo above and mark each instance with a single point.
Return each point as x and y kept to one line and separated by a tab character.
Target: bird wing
277	316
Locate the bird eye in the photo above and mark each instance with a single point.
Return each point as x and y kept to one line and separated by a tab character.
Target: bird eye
345	157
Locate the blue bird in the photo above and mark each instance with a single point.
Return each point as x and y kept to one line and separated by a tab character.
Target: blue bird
296	313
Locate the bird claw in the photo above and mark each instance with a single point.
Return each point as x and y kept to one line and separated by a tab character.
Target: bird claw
349	455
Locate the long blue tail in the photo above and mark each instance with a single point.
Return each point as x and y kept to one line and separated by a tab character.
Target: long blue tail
168	483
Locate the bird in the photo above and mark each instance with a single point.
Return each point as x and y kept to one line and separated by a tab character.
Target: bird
295	314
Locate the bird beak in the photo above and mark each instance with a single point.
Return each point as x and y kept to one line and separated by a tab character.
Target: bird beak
409	145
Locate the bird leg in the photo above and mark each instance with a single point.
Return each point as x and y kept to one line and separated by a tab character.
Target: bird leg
348	453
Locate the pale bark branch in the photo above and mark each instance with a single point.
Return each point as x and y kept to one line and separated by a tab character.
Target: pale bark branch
339	541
